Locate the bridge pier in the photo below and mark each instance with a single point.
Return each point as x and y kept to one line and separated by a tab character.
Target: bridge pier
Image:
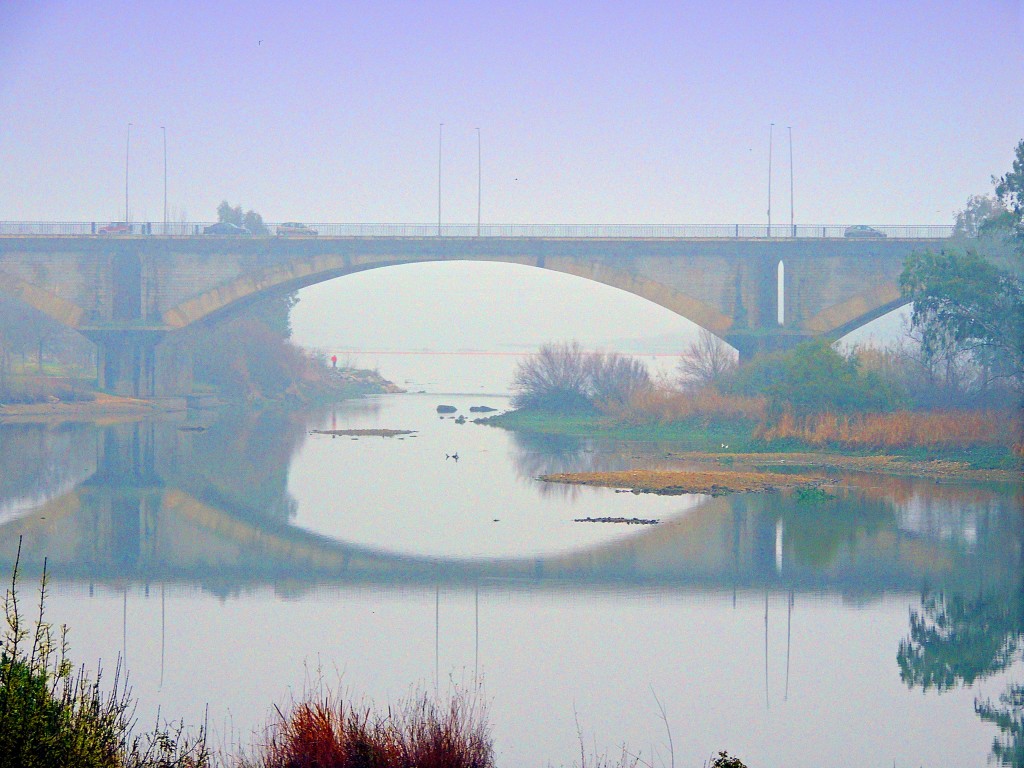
141	363
750	343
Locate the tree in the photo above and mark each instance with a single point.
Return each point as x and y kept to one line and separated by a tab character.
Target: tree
979	212
250	219
553	379
811	378
706	360
1010	186
564	378
963	301
615	379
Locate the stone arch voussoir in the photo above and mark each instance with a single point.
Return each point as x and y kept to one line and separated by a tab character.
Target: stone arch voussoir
53	306
307	271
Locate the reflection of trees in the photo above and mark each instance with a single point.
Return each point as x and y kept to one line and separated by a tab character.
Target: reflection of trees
956	640
1008	717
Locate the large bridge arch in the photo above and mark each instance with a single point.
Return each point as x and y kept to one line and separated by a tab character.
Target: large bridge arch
304	272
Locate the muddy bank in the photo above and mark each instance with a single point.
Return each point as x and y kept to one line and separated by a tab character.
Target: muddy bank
102	408
882	464
672	482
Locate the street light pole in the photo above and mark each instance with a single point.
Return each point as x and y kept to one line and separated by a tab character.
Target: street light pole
792	224
164	129
127	151
771	129
479	179
440	140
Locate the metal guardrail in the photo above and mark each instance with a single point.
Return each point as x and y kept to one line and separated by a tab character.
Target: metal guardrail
694	231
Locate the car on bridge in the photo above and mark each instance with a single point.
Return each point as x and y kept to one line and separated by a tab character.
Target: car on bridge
116	228
225	228
863	231
295	229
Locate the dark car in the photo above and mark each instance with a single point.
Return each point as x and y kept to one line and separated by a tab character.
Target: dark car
863	230
225	228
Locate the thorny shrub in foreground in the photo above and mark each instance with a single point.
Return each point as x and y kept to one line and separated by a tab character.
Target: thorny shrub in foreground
53	715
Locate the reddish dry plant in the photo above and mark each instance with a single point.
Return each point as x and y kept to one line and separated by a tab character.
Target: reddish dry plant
327	733
898	430
666	405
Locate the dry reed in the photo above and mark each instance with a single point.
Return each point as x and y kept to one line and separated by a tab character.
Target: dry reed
665	405
327	732
902	429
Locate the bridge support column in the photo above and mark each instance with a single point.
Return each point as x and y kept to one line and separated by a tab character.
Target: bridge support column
137	363
756	342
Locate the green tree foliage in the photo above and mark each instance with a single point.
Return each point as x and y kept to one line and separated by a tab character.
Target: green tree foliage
1010	188
249	219
962	301
977	216
814	378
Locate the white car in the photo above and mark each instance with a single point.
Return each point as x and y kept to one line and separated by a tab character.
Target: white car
295	229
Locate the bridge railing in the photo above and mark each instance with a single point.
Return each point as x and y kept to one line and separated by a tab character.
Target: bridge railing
696	231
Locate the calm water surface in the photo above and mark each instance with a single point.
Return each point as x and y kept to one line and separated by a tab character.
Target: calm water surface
233	565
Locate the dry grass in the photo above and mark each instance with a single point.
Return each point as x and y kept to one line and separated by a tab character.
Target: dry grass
672	482
666	405
903	429
330	733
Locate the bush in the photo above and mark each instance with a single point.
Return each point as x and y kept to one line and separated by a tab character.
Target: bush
328	733
563	378
51	715
814	378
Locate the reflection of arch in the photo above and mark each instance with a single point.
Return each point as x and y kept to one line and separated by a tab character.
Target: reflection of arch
50	304
300	273
859	310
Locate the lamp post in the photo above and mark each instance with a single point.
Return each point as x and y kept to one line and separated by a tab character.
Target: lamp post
127	151
771	129
164	129
479	178
440	140
792	224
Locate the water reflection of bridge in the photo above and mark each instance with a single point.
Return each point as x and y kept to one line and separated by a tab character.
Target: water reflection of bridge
151	509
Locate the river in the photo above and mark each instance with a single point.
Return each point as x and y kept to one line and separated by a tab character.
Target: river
236	559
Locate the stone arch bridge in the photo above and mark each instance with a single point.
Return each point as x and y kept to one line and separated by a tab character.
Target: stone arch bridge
132	295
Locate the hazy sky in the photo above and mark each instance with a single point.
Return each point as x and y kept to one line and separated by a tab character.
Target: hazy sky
641	112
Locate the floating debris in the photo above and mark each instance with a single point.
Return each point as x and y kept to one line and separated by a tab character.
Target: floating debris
623	520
